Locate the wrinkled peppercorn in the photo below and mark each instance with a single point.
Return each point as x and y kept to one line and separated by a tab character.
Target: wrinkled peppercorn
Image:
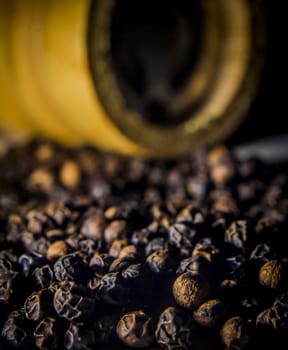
135	329
270	274
43	276
71	267
190	290
112	289
78	337
211	313
71	302
38	305
175	329
234	334
17	330
45	334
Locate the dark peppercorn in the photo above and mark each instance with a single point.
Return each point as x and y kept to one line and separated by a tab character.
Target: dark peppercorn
7	275
43	276
268	319
93	227
261	254
182	235
71	302
135	329
206	249
211	313
190	290
38	305
113	289
234	334
154	245
115	230
175	329
196	264
160	261
78	337
105	327
71	267
45	335
237	234
17	330
270	274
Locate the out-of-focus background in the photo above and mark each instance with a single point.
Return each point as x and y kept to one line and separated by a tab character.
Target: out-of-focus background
268	113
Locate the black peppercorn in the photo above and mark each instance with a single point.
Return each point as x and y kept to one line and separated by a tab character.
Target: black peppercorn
45	335
17	330
268	319
190	290
135	329
78	337
175	329
113	289
43	276
211	313
38	305
270	274
71	302
237	234
71	267
160	261
234	333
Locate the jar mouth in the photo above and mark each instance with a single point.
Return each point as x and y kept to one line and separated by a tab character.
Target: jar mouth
169	73
155	46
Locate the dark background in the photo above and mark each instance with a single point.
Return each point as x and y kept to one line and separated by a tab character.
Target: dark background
268	113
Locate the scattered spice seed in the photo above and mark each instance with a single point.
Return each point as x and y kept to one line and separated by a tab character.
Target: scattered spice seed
102	250
56	250
70	174
190	290
135	329
270	274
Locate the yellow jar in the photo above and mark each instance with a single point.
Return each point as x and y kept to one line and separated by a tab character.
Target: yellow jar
65	71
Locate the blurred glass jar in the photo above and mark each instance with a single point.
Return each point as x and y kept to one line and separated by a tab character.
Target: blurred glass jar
145	78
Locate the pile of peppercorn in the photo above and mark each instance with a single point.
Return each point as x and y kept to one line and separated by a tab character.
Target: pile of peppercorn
101	251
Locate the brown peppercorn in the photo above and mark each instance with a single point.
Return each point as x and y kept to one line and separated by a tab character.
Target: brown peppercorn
41	179
234	332
135	329
114	230
210	314
160	261
175	329
268	319
130	251
117	246
93	227
222	168
56	250
112	212
270	274
225	203
70	174
190	290
44	152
